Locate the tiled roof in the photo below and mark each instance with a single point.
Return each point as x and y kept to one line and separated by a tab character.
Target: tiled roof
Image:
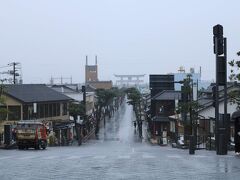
29	93
63	89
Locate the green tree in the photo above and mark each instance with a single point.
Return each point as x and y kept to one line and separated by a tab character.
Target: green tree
104	99
235	76
187	107
134	99
76	109
134	96
3	110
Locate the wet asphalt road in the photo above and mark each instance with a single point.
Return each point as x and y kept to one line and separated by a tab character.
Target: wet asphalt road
120	156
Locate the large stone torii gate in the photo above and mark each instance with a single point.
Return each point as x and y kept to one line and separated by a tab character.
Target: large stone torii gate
129	80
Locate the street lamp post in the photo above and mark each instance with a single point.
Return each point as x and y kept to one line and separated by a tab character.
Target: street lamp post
84	116
222	124
104	123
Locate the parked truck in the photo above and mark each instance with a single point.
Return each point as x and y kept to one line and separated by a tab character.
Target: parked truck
31	134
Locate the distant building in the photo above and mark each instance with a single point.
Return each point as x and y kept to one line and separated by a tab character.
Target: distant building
160	82
74	92
101	84
51	107
206	113
162	103
129	80
196	77
91	77
91	71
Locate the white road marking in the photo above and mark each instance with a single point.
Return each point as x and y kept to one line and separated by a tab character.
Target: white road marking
133	150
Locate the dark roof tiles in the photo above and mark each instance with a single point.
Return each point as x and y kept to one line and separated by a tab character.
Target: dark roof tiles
34	93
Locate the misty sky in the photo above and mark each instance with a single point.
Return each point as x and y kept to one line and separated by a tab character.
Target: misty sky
52	37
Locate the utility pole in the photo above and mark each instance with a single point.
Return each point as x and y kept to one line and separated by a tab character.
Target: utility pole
189	87
185	110
196	116
14	71
193	137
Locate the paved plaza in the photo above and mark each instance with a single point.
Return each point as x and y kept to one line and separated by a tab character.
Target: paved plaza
120	157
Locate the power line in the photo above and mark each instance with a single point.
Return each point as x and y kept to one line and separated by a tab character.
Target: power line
5	66
14	72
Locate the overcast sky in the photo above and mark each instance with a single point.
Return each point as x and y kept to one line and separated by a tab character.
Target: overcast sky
52	37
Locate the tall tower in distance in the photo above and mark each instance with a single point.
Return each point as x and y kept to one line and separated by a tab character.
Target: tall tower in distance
91	71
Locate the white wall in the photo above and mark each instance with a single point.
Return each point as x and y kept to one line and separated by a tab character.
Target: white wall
75	96
210	112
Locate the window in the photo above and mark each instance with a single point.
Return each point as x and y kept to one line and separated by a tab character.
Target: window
25	112
38	110
42	109
58	109
3	112
161	110
30	112
54	109
64	109
46	110
50	110
14	113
